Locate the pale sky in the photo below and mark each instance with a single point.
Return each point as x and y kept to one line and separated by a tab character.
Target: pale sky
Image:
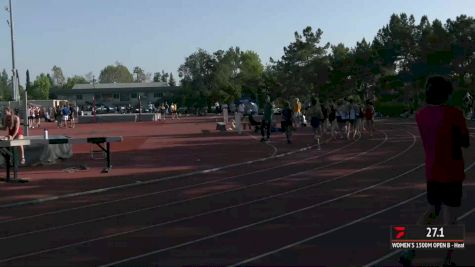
86	35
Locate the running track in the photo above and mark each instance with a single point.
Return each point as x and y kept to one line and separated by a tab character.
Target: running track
328	207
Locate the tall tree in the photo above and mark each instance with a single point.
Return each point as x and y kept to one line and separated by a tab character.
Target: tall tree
157	77
28	82
340	78
164	76
226	72
304	67
76	79
58	77
5	89
41	87
89	77
462	32
140	74
250	74
115	74
171	81
196	75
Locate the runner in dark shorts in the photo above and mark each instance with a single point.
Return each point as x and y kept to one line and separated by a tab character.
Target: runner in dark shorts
286	123
369	117
449	194
316	115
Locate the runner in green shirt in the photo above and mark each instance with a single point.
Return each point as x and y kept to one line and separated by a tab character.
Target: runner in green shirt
267	119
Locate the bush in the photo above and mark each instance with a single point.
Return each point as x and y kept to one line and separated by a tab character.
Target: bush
391	109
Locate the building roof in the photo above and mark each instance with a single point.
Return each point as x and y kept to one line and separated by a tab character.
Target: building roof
112	88
83	86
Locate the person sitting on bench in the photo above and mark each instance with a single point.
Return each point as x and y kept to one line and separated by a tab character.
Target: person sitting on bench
14	129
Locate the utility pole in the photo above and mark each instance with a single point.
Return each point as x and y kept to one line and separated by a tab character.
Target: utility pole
16	96
27	85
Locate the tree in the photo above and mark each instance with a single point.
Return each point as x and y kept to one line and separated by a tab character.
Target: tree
164	77
58	77
41	87
196	78
157	77
76	79
140	75
462	33
341	70
5	88
172	81
226	82
28	82
304	67
115	74
89	77
250	75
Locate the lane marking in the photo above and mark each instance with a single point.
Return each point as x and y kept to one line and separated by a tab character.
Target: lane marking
344	226
173	189
189	199
393	253
257	223
140	229
267	143
135	184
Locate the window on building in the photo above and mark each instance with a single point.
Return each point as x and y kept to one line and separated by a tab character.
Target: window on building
116	96
79	97
98	96
124	97
157	94
133	95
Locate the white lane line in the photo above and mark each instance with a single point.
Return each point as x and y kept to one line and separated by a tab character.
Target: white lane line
267	143
329	231
280	216
246	226
135	184
346	225
395	252
152	226
175	188
97	219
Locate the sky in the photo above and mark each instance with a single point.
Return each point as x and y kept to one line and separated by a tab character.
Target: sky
82	36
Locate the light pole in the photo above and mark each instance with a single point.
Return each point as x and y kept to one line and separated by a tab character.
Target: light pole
16	95
27	85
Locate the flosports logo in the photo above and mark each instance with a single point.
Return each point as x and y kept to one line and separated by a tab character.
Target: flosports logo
400	231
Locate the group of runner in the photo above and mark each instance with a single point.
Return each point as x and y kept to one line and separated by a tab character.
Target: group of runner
341	119
164	109
65	116
35	113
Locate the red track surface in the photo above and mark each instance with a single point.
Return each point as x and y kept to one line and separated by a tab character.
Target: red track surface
328	207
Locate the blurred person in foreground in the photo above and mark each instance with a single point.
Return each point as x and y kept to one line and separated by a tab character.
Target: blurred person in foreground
444	132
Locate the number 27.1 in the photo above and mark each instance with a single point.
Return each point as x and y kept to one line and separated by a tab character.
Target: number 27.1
432	232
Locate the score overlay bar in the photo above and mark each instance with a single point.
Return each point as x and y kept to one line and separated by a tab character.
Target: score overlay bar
427	237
